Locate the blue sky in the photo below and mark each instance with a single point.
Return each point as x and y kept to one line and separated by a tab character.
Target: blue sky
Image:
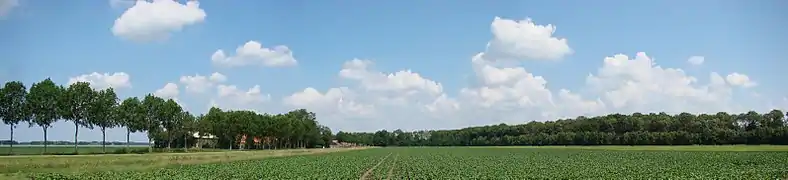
740	41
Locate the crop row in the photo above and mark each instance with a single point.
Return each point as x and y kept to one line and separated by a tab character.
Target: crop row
480	163
513	163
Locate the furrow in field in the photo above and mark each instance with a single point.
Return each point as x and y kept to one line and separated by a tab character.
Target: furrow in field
370	171
393	166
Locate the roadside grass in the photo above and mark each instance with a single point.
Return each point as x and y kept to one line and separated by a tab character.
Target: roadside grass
64	150
16	167
734	148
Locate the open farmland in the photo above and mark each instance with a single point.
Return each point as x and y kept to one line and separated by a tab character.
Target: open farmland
21	167
484	163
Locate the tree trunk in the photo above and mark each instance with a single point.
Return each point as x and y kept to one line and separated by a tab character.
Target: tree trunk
104	140
169	141
76	135
11	150
45	139
128	135
150	144
185	143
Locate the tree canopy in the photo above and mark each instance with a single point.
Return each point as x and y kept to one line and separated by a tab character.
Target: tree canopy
613	129
164	120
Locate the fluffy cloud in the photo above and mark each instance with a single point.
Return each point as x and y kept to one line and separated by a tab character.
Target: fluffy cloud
511	94
116	80
523	39
218	77
170	91
741	80
155	20
6	6
369	99
639	84
332	102
508	87
231	97
201	84
403	98
401	81
253	53
696	60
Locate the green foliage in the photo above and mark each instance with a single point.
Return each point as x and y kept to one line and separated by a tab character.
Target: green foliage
152	107
102	113
43	104
101	110
76	101
42	101
12	103
613	129
478	163
164	121
131	114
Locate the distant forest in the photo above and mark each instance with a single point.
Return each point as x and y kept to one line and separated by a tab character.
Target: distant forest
614	129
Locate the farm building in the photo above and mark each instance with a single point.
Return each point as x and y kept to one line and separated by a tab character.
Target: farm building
257	141
337	144
207	140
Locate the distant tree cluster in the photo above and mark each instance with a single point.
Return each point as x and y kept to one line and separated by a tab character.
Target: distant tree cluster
164	121
295	129
613	129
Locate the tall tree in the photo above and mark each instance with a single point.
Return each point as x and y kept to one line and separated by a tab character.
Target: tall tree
187	126
101	113
12	106
42	101
152	106
215	122
76	102
170	116
131	115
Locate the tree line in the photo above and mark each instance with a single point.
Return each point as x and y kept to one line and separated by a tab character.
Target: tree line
614	129
164	121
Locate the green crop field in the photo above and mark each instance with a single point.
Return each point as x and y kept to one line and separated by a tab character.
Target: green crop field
741	162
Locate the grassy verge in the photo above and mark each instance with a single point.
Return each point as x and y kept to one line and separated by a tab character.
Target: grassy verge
15	167
65	150
735	148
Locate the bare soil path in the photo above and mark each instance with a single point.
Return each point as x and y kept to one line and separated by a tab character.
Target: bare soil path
393	166
369	171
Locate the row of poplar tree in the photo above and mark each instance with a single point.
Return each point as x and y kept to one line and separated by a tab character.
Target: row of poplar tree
614	129
164	121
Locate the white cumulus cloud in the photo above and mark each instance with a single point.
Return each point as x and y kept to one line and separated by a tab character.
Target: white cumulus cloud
253	53
369	99
738	79
170	90
639	84
231	97
201	84
157	19
403	98
525	40
116	80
